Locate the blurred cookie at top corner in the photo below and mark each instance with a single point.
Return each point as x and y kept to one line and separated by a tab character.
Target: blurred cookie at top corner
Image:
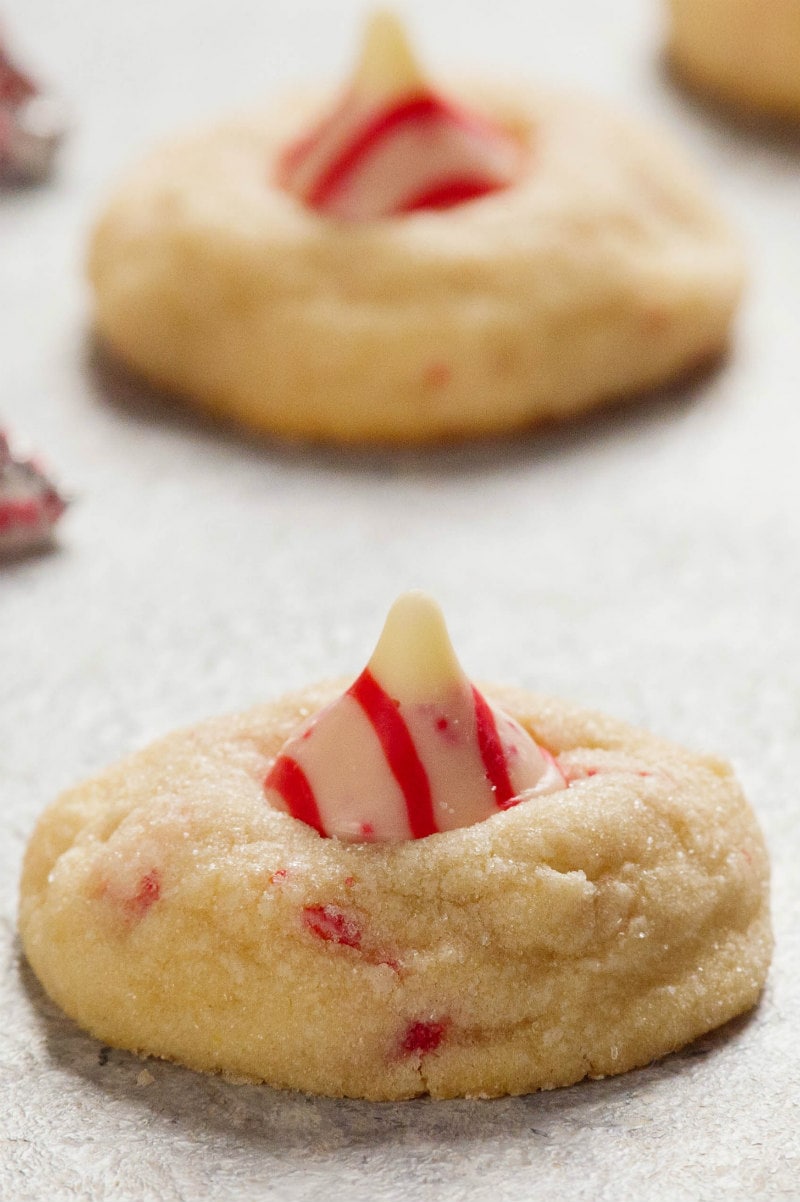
742	52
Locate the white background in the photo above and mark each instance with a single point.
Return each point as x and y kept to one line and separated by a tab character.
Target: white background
646	562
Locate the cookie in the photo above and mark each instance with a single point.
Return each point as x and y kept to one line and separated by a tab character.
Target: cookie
190	903
743	52
394	266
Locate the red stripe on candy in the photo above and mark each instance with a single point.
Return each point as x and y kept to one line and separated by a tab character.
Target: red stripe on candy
407	112
447	193
492	754
401	754
288	778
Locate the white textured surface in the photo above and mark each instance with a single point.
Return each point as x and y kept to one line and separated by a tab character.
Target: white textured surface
647	563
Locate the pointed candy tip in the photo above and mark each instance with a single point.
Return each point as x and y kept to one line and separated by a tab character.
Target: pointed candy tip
415	614
414	655
387	64
418	603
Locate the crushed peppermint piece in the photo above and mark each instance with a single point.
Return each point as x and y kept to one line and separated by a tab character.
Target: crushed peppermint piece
30	505
32	125
420	1038
332	925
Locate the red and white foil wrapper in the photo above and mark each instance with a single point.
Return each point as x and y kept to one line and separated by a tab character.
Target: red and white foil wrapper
411	748
393	145
30	505
32	125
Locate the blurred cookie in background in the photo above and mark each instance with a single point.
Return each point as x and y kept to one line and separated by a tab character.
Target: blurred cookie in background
742	52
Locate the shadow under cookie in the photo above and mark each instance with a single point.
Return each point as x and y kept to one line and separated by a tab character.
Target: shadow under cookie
128	394
288	1122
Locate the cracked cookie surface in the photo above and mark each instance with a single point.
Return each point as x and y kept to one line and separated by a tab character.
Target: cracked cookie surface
169	910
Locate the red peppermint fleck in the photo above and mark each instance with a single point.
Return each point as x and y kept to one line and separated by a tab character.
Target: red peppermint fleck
147	892
448	730
577	772
420	1038
280	874
573	772
349	882
437	375
333	925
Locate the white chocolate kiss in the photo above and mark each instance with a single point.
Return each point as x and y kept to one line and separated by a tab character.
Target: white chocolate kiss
392	145
411	748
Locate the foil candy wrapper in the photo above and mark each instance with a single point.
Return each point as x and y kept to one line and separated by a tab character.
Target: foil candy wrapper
30	505
32	125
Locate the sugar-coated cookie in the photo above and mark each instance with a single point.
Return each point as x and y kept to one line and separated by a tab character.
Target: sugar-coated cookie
745	52
400	267
595	897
